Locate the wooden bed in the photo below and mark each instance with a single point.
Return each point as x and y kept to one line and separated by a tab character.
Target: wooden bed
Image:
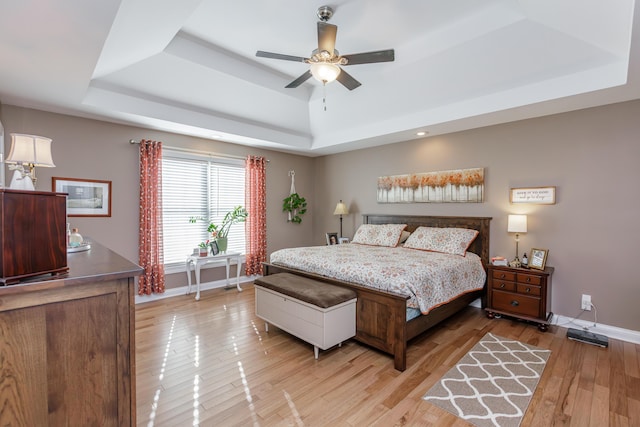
381	316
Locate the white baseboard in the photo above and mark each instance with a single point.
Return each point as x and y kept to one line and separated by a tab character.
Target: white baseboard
609	331
182	290
606	330
476	303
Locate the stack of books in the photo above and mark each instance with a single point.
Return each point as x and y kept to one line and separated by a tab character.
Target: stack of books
499	260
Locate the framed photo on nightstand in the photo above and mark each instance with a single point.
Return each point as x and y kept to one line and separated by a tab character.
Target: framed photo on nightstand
332	238
342	240
538	258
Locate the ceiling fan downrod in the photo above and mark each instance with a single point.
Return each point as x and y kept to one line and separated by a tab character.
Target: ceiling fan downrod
325	13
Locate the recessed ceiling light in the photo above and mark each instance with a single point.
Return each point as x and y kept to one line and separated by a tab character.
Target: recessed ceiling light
421	133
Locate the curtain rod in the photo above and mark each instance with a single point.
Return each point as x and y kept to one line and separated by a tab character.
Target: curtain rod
208	153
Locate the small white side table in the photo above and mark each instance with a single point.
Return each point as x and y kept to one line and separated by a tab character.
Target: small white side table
197	262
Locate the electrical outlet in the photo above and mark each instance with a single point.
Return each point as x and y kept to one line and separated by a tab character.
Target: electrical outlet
586	302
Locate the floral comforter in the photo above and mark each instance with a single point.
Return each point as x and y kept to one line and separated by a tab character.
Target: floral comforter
428	278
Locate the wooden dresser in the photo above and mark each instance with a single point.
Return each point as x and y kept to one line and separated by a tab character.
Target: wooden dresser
520	292
67	345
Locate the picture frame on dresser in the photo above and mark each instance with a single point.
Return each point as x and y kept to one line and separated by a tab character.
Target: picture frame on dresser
538	258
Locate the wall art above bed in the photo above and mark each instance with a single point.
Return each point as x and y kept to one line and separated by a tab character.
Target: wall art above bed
453	186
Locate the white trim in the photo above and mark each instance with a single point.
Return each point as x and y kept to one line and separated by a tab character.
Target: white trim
609	331
187	153
571	322
182	290
476	303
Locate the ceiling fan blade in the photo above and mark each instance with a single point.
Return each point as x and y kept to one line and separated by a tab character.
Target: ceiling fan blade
327	37
370	57
297	82
263	54
347	80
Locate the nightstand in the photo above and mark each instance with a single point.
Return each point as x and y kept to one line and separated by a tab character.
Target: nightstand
520	292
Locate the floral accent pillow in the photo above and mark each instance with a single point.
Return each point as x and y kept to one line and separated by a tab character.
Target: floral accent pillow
379	234
454	241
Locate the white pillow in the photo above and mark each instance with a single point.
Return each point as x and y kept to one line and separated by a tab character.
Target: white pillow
446	240
379	234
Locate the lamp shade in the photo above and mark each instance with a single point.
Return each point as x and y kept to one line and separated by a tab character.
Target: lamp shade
341	209
324	71
517	224
30	149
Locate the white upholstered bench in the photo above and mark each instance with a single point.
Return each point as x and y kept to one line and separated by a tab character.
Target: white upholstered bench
319	313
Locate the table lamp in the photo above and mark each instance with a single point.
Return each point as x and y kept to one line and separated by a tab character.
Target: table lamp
341	209
29	151
517	224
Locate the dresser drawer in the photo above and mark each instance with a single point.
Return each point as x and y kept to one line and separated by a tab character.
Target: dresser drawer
528	279
503	285
528	289
504	275
516	303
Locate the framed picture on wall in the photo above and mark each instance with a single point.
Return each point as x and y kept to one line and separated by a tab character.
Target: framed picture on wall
332	238
86	197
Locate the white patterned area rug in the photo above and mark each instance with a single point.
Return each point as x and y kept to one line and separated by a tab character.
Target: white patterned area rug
492	384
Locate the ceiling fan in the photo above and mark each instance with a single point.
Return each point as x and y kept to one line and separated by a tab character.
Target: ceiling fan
325	60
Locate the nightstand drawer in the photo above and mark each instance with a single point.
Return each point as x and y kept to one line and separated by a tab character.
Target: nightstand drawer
503	285
528	289
516	303
529	279
504	275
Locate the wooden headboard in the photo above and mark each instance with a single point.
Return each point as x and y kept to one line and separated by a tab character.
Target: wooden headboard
480	245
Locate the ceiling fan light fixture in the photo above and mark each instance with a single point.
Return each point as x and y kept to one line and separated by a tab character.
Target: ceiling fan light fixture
324	72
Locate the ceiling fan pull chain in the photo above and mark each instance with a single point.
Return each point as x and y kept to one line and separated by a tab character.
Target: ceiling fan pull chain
324	95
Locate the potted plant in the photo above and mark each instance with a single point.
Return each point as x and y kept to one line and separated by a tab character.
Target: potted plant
295	206
221	232
203	248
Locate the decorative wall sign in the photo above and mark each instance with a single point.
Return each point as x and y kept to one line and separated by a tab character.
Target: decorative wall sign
454	186
86	197
537	195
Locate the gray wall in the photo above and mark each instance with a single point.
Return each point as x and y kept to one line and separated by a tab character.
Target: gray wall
591	157
93	149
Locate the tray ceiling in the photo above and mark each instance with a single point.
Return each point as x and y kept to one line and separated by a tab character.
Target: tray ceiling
189	67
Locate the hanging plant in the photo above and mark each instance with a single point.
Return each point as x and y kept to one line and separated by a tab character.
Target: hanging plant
296	206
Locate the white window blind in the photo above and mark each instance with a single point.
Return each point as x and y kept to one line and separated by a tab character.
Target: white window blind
195	185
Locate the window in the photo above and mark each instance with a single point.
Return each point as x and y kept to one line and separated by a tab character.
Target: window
198	185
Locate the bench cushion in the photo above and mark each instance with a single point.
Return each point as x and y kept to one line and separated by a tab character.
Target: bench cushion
320	294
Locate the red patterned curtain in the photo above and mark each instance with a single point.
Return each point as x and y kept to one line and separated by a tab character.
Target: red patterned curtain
151	250
256	205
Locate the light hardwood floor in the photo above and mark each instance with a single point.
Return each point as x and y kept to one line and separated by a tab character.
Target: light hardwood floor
211	363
